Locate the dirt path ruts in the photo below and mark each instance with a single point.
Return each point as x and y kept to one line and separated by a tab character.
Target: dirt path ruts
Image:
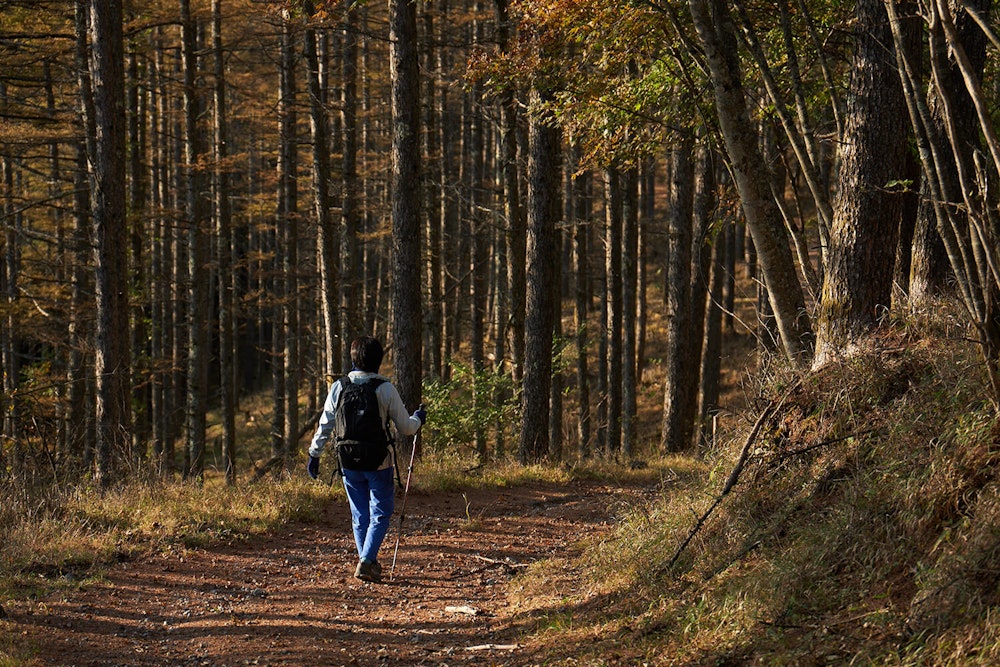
291	599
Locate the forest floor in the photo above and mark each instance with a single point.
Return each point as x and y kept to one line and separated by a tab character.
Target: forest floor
290	598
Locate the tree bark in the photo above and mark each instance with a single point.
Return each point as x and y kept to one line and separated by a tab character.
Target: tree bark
197	211
857	289
679	397
630	286
544	177
223	214
352	276
405	182
327	234
613	274
714	27
581	251
109	227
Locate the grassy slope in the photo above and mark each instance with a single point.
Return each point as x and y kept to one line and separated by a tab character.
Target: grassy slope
865	529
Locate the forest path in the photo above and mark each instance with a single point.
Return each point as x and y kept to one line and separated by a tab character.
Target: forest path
291	598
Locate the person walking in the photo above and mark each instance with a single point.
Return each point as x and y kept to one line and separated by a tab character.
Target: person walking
363	447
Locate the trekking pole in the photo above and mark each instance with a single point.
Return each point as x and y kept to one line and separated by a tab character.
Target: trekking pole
402	508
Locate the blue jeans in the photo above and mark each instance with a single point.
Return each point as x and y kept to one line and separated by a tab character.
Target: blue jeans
372	498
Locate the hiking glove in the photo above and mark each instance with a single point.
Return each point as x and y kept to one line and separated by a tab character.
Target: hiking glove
313	467
421	414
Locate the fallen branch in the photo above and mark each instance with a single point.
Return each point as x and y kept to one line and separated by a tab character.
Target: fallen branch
824	443
505	563
734	476
271	464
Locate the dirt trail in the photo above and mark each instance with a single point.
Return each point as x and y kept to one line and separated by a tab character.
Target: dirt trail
291	599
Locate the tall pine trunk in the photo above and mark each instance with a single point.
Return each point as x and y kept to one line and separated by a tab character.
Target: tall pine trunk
613	272
857	289
405	183
198	243
223	216
544	176
679	398
109	227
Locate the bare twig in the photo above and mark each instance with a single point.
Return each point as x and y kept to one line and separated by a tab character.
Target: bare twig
734	475
824	443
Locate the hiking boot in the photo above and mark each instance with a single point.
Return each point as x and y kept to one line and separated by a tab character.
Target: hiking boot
368	571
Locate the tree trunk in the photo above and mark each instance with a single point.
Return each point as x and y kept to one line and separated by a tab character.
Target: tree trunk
679	399
10	346
714	27
630	285
137	270
581	251
479	268
197	209
109	227
405	182
613	273
327	234
286	244
433	322
543	212
352	324
857	289
949	104
711	358
223	213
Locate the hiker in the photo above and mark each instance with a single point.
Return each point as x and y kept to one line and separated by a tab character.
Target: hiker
363	448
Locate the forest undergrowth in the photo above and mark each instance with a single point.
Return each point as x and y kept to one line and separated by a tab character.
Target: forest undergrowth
863	526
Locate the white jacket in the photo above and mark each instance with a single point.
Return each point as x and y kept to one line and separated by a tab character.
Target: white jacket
390	407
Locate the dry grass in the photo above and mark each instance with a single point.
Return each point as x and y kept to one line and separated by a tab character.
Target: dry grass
864	530
75	532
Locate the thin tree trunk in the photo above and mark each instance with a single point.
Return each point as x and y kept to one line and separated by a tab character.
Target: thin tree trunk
711	358
581	251
137	270
223	214
352	323
714	27
629	306
433	322
197	210
612	256
555	452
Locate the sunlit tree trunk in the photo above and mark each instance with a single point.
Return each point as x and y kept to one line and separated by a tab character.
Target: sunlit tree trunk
223	216
613	273
715	29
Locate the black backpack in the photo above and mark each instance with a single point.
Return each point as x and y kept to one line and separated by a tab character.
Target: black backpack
362	439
